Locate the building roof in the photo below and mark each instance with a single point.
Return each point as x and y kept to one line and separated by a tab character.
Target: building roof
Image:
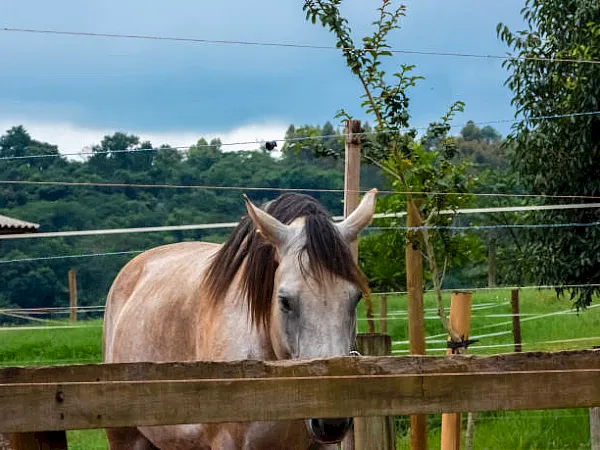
10	225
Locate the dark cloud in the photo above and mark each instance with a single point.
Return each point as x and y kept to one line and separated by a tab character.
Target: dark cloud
106	82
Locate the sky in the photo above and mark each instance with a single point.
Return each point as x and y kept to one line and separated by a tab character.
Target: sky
71	91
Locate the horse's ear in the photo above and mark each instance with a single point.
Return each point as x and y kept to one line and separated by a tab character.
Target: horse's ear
272	229
360	218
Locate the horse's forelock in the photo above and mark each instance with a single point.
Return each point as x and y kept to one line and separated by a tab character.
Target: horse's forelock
327	254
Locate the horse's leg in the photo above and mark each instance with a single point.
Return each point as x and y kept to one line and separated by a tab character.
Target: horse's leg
128	439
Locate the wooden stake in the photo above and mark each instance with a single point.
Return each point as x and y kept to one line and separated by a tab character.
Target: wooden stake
595	428
73	295
374	433
416	318
383	317
460	321
351	191
516	320
352	187
352	172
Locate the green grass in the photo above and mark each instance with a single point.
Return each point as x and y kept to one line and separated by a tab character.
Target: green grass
562	429
520	430
25	347
535	332
87	440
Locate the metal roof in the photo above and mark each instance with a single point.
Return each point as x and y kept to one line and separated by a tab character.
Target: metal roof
10	225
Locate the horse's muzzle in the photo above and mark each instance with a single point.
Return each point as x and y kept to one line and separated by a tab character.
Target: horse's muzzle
328	431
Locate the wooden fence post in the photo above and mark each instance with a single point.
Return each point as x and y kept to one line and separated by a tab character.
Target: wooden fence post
383	317
595	428
374	433
516	320
45	440
352	171
460	321
73	295
416	319
352	185
351	191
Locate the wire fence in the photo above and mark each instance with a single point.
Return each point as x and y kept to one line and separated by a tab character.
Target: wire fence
221	225
272	44
98	151
315	190
531	344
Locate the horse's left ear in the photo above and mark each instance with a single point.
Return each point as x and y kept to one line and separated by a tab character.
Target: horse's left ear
272	229
360	218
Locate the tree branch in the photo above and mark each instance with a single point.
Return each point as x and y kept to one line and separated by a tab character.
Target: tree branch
436	282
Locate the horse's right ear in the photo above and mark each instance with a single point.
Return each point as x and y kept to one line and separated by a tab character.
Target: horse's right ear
360	218
272	229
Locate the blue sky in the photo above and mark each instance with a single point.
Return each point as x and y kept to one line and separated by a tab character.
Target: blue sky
72	90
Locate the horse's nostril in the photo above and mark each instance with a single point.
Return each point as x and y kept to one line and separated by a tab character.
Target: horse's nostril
315	425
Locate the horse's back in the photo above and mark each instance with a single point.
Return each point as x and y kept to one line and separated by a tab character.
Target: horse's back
151	302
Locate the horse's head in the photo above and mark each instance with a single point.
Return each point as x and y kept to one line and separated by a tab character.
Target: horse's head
317	286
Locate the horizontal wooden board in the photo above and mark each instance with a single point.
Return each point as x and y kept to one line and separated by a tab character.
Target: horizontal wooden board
79	405
387	365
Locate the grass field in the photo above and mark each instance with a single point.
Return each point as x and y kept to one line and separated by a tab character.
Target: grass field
564	429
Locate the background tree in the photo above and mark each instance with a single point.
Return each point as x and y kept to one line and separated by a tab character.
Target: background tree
559	156
413	165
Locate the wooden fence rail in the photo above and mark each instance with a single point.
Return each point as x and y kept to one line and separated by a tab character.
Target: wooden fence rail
119	395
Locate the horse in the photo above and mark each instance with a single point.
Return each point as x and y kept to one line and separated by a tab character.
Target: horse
284	285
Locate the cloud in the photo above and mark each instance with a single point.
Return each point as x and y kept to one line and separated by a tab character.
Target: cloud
103	83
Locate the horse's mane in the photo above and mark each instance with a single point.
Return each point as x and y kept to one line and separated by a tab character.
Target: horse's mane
327	253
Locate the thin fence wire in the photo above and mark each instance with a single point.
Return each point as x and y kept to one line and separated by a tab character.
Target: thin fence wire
436	337
294	45
539	316
229	225
490	227
24	313
208	226
50	327
51	309
528	416
317	190
82	153
507	345
497	288
404	317
61	257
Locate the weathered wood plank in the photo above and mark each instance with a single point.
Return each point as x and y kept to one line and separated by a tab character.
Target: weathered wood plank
54	406
389	365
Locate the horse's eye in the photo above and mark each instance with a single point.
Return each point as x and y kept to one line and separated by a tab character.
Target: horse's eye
357	298
286	304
